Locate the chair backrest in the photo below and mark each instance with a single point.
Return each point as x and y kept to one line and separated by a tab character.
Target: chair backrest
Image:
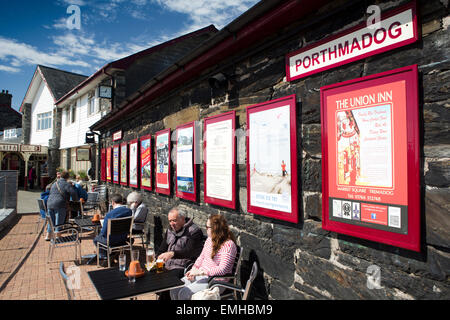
237	261
92	197
65	280
119	226
250	280
42	207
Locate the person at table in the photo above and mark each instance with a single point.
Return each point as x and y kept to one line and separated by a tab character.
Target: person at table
216	259
138	209
119	210
182	242
60	193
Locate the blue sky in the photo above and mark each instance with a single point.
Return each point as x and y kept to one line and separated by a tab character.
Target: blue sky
36	32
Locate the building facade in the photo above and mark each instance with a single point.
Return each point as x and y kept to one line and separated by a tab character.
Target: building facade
246	64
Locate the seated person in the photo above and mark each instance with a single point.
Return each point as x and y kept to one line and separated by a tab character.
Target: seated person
182	242
119	211
217	258
138	209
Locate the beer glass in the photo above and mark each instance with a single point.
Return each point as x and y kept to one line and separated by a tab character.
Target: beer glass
150	258
159	265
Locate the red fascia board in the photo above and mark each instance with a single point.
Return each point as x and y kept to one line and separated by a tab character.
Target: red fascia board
281	16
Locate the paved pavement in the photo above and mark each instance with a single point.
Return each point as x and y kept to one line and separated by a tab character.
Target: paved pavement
24	271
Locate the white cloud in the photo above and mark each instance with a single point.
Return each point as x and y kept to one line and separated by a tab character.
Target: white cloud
25	54
205	12
9	69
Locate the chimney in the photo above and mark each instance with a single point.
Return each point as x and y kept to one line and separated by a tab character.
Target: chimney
5	99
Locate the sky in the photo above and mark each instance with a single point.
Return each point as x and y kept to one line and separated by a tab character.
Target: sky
81	36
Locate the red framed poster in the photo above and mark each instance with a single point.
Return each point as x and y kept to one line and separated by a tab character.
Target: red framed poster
186	169
103	164
124	164
146	162
219	169
370	158
272	159
162	167
396	28
108	164
116	164
133	163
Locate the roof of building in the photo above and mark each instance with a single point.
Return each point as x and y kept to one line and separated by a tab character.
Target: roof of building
59	82
158	58
260	21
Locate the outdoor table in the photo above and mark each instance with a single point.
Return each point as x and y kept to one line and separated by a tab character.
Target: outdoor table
86	222
112	283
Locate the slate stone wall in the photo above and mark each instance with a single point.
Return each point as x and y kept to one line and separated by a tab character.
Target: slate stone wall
302	261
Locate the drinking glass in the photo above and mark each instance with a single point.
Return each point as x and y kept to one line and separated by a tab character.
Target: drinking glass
135	255
150	258
159	265
122	262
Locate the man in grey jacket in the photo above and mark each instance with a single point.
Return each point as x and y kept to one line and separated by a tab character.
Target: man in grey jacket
182	243
60	192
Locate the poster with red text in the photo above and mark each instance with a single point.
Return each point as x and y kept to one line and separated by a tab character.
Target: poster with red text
370	175
108	164
146	162
162	165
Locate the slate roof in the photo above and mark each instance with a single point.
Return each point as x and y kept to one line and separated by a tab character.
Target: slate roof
59	81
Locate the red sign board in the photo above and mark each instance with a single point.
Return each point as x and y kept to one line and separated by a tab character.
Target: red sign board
370	158
162	165
396	28
186	169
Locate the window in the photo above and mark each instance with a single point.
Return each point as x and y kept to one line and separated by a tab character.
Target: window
44	121
9	134
91	106
67	114
73	113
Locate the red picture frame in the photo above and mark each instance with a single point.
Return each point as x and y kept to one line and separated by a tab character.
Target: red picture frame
189	184
116	168
383	111
320	59
103	164
108	164
145	159
136	160
124	147
162	177
228	116
262	202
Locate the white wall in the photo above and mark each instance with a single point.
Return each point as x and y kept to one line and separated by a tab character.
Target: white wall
74	134
42	102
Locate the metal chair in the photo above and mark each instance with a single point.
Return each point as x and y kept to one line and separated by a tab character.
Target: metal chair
233	275
238	289
42	207
102	197
139	233
65	278
117	226
92	201
63	241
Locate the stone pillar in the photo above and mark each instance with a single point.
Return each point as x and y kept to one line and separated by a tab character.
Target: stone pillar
53	144
26	123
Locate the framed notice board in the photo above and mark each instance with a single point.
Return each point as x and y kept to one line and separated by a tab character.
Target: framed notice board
272	159
145	145
162	166
116	164
124	163
370	158
186	169
219	145
108	164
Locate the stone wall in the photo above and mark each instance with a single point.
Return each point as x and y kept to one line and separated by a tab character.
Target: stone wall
303	261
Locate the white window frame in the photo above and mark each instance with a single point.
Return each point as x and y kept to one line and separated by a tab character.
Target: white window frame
73	114
91	106
44	121
9	133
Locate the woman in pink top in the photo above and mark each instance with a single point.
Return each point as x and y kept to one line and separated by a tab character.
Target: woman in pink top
217	258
